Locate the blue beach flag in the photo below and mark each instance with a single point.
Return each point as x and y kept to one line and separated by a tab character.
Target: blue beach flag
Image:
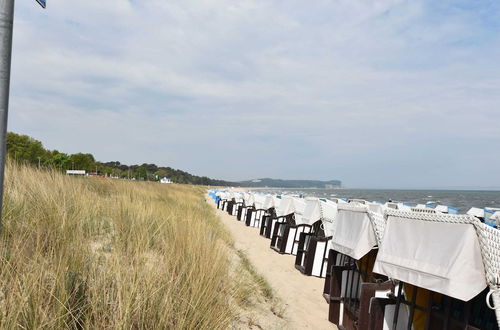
42	3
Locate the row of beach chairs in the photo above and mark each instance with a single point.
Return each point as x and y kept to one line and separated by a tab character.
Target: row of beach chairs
385	265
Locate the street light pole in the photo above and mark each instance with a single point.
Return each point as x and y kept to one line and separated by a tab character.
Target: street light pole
6	27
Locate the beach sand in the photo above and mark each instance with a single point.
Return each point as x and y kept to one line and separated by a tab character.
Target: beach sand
301	295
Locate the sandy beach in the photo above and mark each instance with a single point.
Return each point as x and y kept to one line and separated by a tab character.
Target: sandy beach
301	295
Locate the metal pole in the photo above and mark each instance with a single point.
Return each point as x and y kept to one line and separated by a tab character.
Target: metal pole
6	26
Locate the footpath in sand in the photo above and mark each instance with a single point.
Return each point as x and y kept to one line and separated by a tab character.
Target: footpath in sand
301	295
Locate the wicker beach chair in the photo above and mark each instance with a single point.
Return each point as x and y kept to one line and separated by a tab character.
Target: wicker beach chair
351	283
286	230
247	202
234	203
255	214
312	253
271	205
441	265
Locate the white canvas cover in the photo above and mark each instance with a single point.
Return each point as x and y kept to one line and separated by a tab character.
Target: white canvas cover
238	197
259	201
353	232
270	202
286	206
312	211
439	256
249	199
442	208
299	206
377	208
477	212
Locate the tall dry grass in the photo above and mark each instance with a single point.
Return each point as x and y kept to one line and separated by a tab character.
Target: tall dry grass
108	254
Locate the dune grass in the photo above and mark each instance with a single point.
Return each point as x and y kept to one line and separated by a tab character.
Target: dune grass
85	253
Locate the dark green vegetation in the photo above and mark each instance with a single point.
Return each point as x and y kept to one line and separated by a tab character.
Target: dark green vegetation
25	149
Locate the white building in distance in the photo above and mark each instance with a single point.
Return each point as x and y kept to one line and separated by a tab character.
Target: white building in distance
75	172
165	180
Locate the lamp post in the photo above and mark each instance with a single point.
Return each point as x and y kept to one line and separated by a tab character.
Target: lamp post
6	27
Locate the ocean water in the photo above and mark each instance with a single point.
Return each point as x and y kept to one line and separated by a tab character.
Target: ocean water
462	199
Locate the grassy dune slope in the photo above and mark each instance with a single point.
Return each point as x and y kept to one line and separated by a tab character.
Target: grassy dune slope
109	254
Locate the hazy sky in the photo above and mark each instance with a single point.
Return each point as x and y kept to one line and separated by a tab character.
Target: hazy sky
396	94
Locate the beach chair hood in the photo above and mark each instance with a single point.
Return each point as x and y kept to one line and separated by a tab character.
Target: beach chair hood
289	205
353	232
299	206
312	211
477	212
271	201
249	199
259	201
438	252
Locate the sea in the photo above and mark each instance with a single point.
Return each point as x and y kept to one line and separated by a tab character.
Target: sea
461	199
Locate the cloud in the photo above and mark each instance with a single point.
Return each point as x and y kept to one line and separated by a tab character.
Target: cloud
375	93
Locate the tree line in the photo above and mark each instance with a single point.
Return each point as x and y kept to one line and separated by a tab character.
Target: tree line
25	149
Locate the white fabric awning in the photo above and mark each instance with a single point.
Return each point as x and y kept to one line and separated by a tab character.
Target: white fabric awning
353	232
289	205
299	206
249	199
269	202
286	206
477	212
377	208
312	211
259	201
439	256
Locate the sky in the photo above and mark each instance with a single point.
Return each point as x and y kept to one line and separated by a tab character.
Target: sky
378	94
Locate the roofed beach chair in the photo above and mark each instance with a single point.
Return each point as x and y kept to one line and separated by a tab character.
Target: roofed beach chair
446	209
441	264
222	202
247	203
230	202
282	214
312	252
351	282
254	214
271	205
287	229
477	212
235	202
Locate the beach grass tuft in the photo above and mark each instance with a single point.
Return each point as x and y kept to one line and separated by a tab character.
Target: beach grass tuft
93	253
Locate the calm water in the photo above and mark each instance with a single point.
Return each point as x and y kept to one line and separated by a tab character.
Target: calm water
464	200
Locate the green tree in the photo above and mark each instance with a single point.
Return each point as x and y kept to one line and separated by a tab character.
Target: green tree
60	160
23	148
81	161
